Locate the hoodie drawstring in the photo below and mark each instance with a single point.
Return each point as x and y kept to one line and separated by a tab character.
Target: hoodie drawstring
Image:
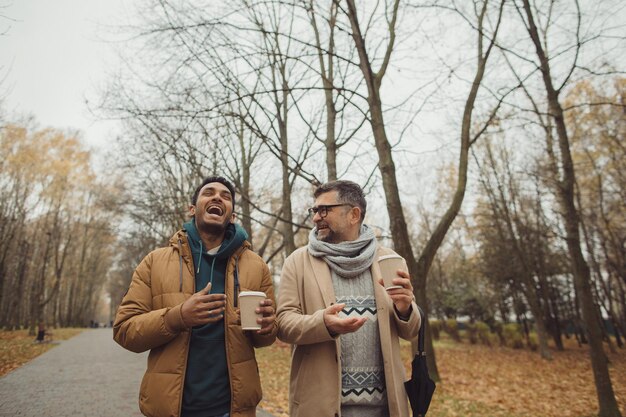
200	262
236	276
211	275
236	272
180	258
199	258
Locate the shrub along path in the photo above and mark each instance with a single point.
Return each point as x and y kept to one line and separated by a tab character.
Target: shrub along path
87	375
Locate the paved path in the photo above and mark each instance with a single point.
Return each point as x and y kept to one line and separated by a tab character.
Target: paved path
88	375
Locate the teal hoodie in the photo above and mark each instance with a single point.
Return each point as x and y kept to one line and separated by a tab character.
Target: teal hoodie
207	387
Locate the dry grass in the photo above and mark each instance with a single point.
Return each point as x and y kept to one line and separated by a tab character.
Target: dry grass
520	383
483	381
274	363
17	347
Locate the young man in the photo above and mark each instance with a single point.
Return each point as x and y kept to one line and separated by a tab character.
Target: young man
182	305
344	325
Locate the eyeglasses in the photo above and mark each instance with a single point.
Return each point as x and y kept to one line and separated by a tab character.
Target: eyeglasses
323	210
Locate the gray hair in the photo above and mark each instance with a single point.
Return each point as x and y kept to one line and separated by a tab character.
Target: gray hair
348	192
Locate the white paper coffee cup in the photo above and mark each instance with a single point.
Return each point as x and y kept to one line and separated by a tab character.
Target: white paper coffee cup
389	265
249	301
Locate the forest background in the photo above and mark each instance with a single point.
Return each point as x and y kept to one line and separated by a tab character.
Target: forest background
488	136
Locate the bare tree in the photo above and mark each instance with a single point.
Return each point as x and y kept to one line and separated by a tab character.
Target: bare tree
507	206
419	268
336	71
558	146
221	100
595	121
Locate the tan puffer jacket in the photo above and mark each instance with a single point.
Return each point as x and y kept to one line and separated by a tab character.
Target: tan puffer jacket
149	317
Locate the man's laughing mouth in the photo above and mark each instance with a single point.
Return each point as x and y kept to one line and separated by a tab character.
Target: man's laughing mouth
215	210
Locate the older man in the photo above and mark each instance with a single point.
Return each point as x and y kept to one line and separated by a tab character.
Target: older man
345	326
182	305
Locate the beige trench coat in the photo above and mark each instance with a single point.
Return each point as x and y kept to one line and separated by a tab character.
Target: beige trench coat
315	382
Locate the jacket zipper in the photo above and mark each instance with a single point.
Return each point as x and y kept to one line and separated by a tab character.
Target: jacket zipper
230	383
235	275
182	387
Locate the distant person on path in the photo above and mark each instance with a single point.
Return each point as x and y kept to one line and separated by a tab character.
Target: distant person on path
42	334
343	323
182	305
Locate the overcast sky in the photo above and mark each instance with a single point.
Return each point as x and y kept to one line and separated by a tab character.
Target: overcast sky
53	57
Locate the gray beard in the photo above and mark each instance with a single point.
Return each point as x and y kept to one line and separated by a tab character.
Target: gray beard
329	238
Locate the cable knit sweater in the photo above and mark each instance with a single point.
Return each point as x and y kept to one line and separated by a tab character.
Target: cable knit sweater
362	372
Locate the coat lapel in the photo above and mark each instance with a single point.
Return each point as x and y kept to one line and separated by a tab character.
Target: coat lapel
321	272
382	299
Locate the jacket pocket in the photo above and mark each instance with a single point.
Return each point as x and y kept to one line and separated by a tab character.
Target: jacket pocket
246	385
159	394
300	374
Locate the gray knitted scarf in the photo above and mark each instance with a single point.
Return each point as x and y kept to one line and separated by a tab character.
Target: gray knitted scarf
348	259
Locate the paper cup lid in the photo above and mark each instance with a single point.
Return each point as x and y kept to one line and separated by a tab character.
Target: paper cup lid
251	294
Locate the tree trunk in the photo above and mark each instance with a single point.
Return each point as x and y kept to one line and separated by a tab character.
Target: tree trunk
17	302
580	269
246	218
397	222
282	116
528	280
418	268
287	229
556	317
327	74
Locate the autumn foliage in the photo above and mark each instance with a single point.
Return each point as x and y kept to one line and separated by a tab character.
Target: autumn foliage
480	381
55	229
